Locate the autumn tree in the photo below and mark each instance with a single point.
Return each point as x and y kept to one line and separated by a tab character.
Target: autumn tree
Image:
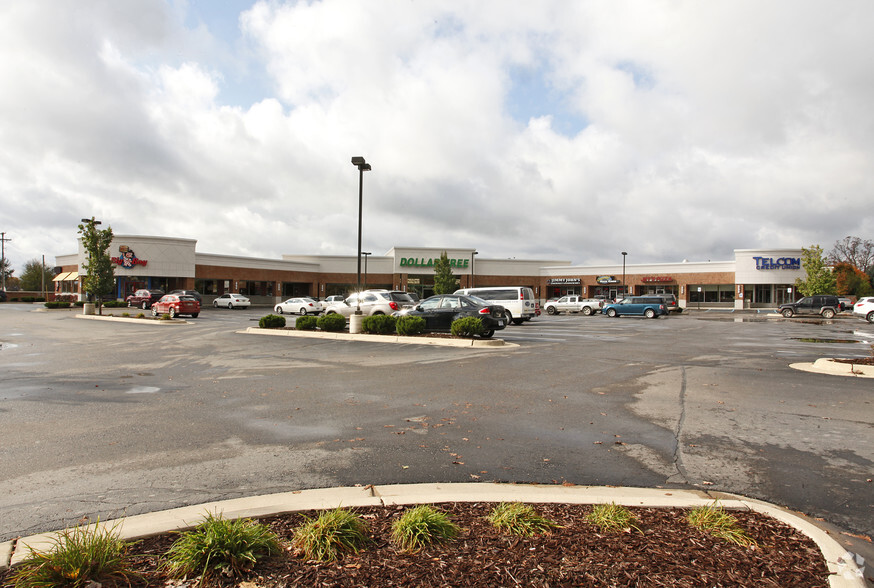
444	281
35	276
100	273
851	281
820	279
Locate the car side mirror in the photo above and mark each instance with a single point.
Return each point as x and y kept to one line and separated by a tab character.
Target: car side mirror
419	308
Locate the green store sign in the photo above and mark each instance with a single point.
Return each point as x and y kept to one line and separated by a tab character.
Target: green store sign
422	262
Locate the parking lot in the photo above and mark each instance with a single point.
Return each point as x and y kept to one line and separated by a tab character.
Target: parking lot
104	418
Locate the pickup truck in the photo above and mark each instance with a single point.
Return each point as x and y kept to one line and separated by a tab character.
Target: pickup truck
587	306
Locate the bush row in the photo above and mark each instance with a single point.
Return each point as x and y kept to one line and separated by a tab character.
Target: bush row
381	324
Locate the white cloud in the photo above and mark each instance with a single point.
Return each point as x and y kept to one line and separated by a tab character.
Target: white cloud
705	126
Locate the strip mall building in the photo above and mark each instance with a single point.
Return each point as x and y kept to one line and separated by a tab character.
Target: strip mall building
755	278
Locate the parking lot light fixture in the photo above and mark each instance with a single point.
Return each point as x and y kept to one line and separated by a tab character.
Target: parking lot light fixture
362	166
624	253
472	253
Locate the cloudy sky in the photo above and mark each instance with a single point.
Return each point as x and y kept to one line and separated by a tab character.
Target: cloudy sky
565	129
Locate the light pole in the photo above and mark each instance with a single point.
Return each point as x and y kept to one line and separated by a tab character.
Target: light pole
362	166
471	266
365	254
3	240
624	253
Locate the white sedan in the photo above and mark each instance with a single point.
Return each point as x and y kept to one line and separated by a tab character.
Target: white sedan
299	306
231	301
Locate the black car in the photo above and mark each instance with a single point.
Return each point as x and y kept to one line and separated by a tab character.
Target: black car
440	311
826	305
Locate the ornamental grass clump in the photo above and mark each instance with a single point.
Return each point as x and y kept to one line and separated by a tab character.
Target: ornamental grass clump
421	526
81	556
332	534
468	326
520	519
714	520
611	518
219	545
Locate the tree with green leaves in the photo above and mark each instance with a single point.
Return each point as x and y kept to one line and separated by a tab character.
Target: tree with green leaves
820	279
35	276
444	281
100	273
5	269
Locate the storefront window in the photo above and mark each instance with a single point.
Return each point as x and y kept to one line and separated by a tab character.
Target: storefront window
714	293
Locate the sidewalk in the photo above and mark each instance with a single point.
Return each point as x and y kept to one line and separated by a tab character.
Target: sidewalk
841	564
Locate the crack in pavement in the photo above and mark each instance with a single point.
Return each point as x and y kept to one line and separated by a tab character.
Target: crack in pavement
678	453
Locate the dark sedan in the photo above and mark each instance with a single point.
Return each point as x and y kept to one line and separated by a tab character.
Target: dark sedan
439	312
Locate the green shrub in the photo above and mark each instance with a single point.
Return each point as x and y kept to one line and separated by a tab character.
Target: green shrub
421	526
79	303
332	322
410	325
468	326
114	303
610	518
272	321
125	314
306	323
57	304
141	315
380	324
332	533
519	519
79	556
229	547
165	317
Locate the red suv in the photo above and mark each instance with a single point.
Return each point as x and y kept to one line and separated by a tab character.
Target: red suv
144	298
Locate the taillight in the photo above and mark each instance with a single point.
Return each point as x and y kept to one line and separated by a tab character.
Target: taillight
393	305
485	310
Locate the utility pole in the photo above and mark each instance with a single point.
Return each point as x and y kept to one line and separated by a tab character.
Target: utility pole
3	240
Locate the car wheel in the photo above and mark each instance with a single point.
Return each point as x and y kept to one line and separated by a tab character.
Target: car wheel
649	313
129	304
172	312
518	321
508	316
587	310
215	304
551	310
378	313
330	312
230	306
828	313
870	317
145	305
154	311
679	310
194	315
611	312
278	309
787	312
488	334
303	311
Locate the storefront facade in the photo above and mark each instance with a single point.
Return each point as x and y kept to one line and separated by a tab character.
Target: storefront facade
754	279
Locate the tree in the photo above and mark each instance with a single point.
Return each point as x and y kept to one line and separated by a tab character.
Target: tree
856	252
444	281
851	281
820	279
100	273
35	275
6	269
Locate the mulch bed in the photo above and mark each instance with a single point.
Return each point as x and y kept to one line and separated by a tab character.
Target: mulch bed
856	360
665	551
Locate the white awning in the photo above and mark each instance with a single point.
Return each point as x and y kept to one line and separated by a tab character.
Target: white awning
61	276
72	276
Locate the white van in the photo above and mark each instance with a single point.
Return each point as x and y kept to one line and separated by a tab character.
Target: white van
518	301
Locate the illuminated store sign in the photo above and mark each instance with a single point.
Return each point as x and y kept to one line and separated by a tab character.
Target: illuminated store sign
657	279
781	263
422	262
607	280
563	281
127	258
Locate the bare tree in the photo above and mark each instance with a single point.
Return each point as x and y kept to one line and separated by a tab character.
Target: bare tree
854	251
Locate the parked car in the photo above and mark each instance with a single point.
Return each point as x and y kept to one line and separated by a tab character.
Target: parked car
144	298
845	303
231	301
332	299
864	307
174	304
440	311
671	302
193	293
648	306
825	305
518	301
372	302
302	305
574	303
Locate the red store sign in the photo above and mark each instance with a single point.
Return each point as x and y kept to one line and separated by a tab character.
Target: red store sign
657	279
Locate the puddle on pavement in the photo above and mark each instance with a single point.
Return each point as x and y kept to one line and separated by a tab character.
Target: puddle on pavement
143	390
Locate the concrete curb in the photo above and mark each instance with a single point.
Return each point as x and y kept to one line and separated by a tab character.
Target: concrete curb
143	321
479	343
828	366
844	571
